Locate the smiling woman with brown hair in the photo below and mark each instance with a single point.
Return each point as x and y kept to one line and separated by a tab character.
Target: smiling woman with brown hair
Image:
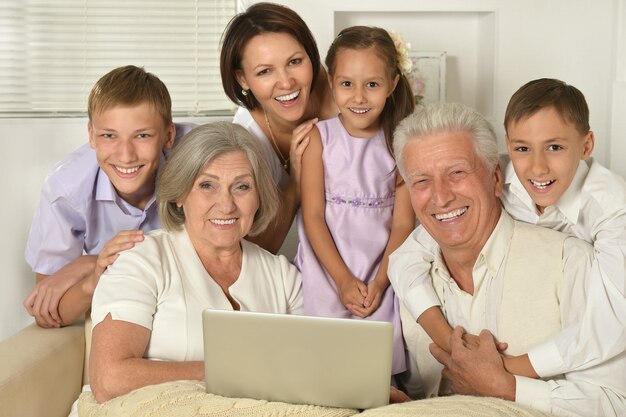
270	66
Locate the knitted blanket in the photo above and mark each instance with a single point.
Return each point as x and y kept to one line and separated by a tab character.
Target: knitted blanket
455	406
188	398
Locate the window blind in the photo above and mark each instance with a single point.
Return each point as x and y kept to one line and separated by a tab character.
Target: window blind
53	51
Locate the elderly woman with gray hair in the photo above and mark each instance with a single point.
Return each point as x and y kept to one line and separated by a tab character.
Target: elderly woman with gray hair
214	190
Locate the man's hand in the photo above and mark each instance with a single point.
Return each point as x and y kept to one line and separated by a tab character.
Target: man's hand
475	370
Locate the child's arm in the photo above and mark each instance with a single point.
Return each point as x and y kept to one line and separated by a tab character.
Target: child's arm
408	271
77	300
600	332
598	336
64	297
351	290
519	365
273	237
402	223
43	301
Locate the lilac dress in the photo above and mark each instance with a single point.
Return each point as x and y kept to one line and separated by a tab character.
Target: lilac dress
359	181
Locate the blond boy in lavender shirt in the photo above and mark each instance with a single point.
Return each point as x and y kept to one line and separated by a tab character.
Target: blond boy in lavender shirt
102	188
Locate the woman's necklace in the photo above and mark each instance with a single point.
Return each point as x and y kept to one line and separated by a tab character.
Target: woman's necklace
280	154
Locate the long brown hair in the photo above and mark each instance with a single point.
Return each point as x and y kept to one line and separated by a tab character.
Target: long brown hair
401	102
258	19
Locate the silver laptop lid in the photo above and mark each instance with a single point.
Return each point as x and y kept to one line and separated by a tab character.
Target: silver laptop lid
298	359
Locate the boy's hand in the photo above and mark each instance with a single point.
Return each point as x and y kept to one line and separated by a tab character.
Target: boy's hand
472	341
352	293
122	241
43	301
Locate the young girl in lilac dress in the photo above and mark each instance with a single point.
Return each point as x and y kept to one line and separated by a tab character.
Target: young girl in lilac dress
355	207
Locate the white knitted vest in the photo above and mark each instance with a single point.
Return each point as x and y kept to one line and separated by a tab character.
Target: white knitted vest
530	313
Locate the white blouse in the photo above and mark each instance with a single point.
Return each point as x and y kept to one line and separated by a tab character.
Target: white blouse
161	284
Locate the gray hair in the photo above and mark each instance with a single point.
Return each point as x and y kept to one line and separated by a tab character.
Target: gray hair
447	117
197	149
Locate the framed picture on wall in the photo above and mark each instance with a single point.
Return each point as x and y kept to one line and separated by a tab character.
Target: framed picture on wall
428	76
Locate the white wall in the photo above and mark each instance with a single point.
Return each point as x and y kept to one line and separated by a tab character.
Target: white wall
493	47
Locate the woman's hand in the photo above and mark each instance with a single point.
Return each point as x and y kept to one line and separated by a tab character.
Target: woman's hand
397	396
299	141
352	293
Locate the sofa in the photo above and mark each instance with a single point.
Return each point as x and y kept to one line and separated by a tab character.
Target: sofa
42	372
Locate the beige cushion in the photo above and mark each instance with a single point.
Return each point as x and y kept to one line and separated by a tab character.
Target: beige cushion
455	406
88	330
188	398
41	371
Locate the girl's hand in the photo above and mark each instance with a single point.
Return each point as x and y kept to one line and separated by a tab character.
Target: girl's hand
122	241
299	142
372	299
352	292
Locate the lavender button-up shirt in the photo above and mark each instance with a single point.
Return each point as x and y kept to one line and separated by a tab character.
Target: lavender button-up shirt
80	211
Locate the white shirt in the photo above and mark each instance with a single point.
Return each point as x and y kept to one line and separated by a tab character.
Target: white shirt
244	118
593	209
596	391
161	284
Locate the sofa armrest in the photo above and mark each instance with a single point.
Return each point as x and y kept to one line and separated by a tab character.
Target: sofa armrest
41	371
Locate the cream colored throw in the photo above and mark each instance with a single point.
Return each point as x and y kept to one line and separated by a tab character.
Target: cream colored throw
455	406
188	398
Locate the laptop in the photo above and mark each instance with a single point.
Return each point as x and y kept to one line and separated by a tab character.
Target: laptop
297	359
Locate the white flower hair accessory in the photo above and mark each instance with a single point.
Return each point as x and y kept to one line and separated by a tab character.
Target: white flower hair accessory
402	51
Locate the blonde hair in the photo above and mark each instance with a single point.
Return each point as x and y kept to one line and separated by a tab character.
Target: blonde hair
197	149
130	85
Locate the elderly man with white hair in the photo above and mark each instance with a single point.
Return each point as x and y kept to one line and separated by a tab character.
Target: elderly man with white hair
493	276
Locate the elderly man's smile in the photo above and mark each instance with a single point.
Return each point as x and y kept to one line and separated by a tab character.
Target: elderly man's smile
451	215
